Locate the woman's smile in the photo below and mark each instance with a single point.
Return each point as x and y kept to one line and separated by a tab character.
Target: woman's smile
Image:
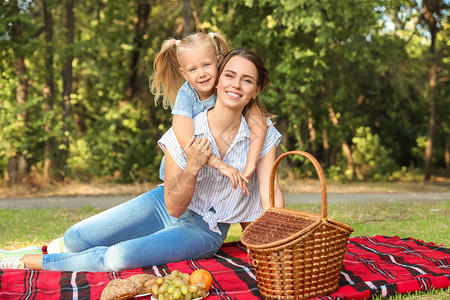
234	94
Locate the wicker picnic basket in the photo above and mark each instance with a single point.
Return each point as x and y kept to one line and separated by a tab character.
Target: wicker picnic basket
296	255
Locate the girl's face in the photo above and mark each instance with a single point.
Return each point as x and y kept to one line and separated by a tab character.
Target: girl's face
199	67
238	83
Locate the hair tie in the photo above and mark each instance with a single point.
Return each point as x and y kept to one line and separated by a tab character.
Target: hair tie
211	34
177	43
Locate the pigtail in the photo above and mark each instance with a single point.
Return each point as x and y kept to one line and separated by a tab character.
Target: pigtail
167	79
221	43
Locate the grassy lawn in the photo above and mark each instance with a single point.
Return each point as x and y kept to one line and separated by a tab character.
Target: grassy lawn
423	220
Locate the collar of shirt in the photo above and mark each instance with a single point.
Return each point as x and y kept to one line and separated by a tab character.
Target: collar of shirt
202	128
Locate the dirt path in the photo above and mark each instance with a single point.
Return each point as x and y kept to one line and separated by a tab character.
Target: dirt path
107	195
107	201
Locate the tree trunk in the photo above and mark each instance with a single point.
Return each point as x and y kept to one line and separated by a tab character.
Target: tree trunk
140	28
311	133
17	164
447	154
187	17
432	120
326	148
350	161
431	7
345	147
67	86
48	93
282	126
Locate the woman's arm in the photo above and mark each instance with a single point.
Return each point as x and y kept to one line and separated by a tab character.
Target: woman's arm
263	168
179	184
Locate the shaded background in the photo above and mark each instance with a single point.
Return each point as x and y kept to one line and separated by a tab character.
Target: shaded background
363	85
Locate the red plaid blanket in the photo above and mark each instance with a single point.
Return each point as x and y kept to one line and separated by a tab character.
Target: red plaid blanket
372	266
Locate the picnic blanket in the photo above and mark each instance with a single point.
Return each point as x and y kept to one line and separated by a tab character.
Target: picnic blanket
372	266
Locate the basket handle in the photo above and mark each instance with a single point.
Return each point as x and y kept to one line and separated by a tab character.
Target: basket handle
319	171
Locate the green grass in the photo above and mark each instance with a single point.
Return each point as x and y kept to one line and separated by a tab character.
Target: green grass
442	294
423	220
25	227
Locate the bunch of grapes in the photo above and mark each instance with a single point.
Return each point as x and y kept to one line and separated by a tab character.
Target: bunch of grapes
175	286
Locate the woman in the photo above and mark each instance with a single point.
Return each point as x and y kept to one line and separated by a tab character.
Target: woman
190	216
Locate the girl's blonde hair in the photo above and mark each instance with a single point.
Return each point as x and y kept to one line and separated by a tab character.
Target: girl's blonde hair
167	79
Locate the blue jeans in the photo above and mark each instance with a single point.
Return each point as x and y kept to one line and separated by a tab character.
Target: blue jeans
135	234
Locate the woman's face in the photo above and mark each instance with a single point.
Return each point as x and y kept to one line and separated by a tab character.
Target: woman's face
238	83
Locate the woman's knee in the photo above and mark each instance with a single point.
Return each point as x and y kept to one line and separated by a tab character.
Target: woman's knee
118	259
73	240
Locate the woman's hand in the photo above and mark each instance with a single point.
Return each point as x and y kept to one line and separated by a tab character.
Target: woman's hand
198	152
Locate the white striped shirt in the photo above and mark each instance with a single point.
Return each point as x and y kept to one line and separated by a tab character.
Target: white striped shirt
214	197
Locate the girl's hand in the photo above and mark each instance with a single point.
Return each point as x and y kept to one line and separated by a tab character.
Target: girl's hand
236	178
198	152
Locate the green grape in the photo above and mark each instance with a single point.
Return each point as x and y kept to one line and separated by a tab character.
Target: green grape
188	296
201	285
163	288
184	289
203	293
186	276
177	293
159	280
175	273
193	288
166	296
171	289
155	288
178	282
169	277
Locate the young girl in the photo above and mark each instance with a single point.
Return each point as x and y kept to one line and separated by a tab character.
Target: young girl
185	77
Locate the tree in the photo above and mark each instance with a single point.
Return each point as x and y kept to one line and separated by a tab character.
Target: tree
49	92
187	30
431	14
17	163
140	29
67	85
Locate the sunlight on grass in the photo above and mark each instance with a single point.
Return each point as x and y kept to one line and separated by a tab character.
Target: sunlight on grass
25	227
424	220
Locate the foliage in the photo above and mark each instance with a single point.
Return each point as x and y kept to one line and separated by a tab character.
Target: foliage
336	67
369	155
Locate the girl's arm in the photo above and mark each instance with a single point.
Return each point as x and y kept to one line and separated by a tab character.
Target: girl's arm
184	129
263	169
179	184
258	129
